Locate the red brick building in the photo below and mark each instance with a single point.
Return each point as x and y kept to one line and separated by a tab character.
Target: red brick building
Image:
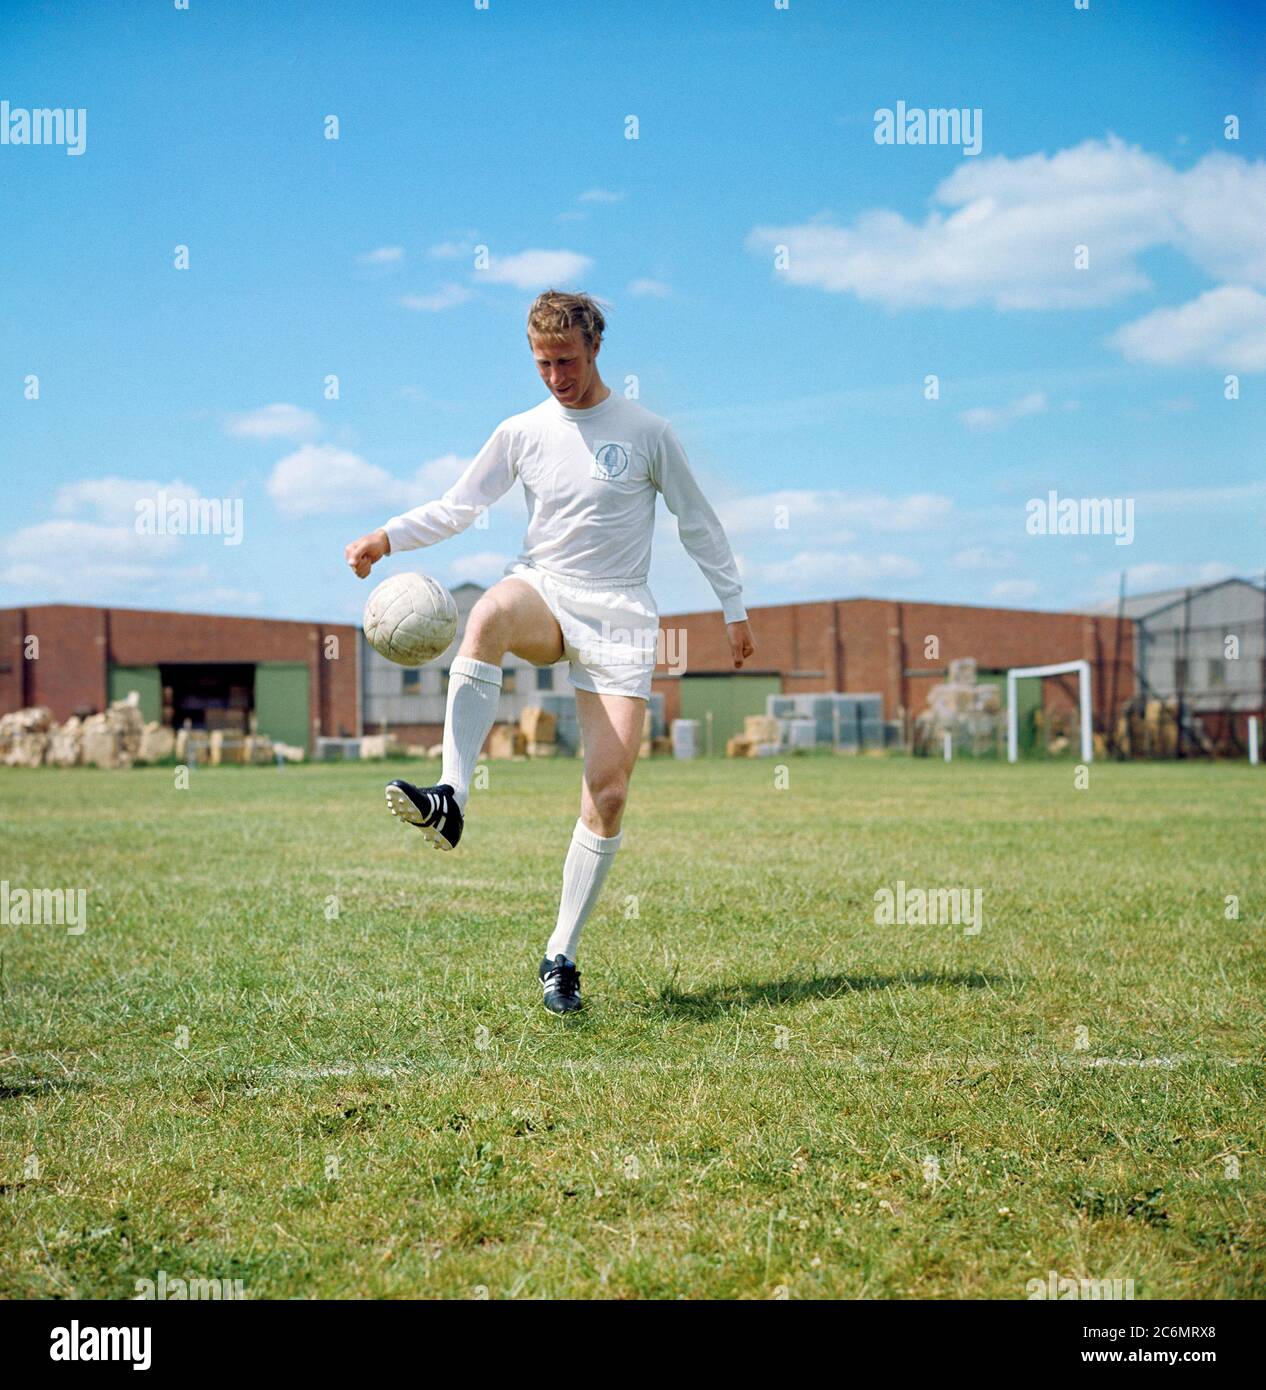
300	679
899	650
297	679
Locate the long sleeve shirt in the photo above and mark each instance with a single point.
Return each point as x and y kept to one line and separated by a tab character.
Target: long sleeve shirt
591	478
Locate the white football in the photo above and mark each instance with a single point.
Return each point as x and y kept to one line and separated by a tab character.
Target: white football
410	619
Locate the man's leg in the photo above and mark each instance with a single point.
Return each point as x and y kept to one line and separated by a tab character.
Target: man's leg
512	617
611	728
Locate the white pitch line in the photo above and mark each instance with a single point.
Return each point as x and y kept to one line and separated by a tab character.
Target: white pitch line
321	1071
259	1078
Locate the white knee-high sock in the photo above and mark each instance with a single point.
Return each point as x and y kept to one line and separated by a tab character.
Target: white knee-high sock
589	860
474	693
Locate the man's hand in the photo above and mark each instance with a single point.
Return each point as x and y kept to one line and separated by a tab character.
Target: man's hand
741	643
363	554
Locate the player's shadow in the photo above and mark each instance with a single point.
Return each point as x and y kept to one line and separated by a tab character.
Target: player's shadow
38	1086
709	1003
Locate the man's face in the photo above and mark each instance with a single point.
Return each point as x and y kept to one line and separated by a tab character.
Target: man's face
567	366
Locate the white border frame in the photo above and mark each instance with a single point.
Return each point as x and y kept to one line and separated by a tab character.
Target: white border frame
1060	668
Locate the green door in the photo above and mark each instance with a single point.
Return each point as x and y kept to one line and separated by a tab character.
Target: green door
1028	699
146	681
730	699
281	701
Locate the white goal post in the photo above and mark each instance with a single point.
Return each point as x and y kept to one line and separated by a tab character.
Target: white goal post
1060	668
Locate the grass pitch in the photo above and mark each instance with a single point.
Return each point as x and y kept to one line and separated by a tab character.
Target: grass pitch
295	1048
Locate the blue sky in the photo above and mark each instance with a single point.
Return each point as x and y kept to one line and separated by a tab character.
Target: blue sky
798	390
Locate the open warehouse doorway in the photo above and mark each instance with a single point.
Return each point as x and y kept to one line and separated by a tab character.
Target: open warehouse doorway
265	697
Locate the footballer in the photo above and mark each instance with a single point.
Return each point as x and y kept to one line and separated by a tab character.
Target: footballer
592	465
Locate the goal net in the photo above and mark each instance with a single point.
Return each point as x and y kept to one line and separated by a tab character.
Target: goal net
1084	707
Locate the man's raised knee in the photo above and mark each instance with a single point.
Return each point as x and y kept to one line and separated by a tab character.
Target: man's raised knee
487	632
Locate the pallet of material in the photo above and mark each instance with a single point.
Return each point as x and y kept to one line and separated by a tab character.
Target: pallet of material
65	747
157	742
226	748
27	749
761	728
506	741
192	746
373	746
258	749
228	720
538	725
117	737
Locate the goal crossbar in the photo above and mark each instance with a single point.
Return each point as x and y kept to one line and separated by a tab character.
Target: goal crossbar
1060	668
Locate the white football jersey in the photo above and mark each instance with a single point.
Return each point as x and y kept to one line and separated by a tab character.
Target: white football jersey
591	479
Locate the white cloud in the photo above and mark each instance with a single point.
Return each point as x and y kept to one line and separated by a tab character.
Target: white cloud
1184	498
602	195
655	289
446	297
324	478
841	513
987	418
1007	238
114	499
221	597
1015	590
277	421
979	557
1221	212
77	559
93	552
382	255
321	479
437	475
1223	328
532	270
1139	579
829	567
448	250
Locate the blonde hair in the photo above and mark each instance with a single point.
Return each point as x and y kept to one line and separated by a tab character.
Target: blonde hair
554	314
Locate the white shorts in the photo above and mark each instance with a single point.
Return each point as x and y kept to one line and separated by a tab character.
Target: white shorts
609	633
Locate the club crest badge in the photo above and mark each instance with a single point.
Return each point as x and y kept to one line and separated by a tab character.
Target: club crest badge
610	459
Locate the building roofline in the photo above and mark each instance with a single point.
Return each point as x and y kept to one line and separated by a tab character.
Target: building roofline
908	603
178	613
1192	591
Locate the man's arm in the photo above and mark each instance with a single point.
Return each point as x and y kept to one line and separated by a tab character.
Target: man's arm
489	476
702	536
697	524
